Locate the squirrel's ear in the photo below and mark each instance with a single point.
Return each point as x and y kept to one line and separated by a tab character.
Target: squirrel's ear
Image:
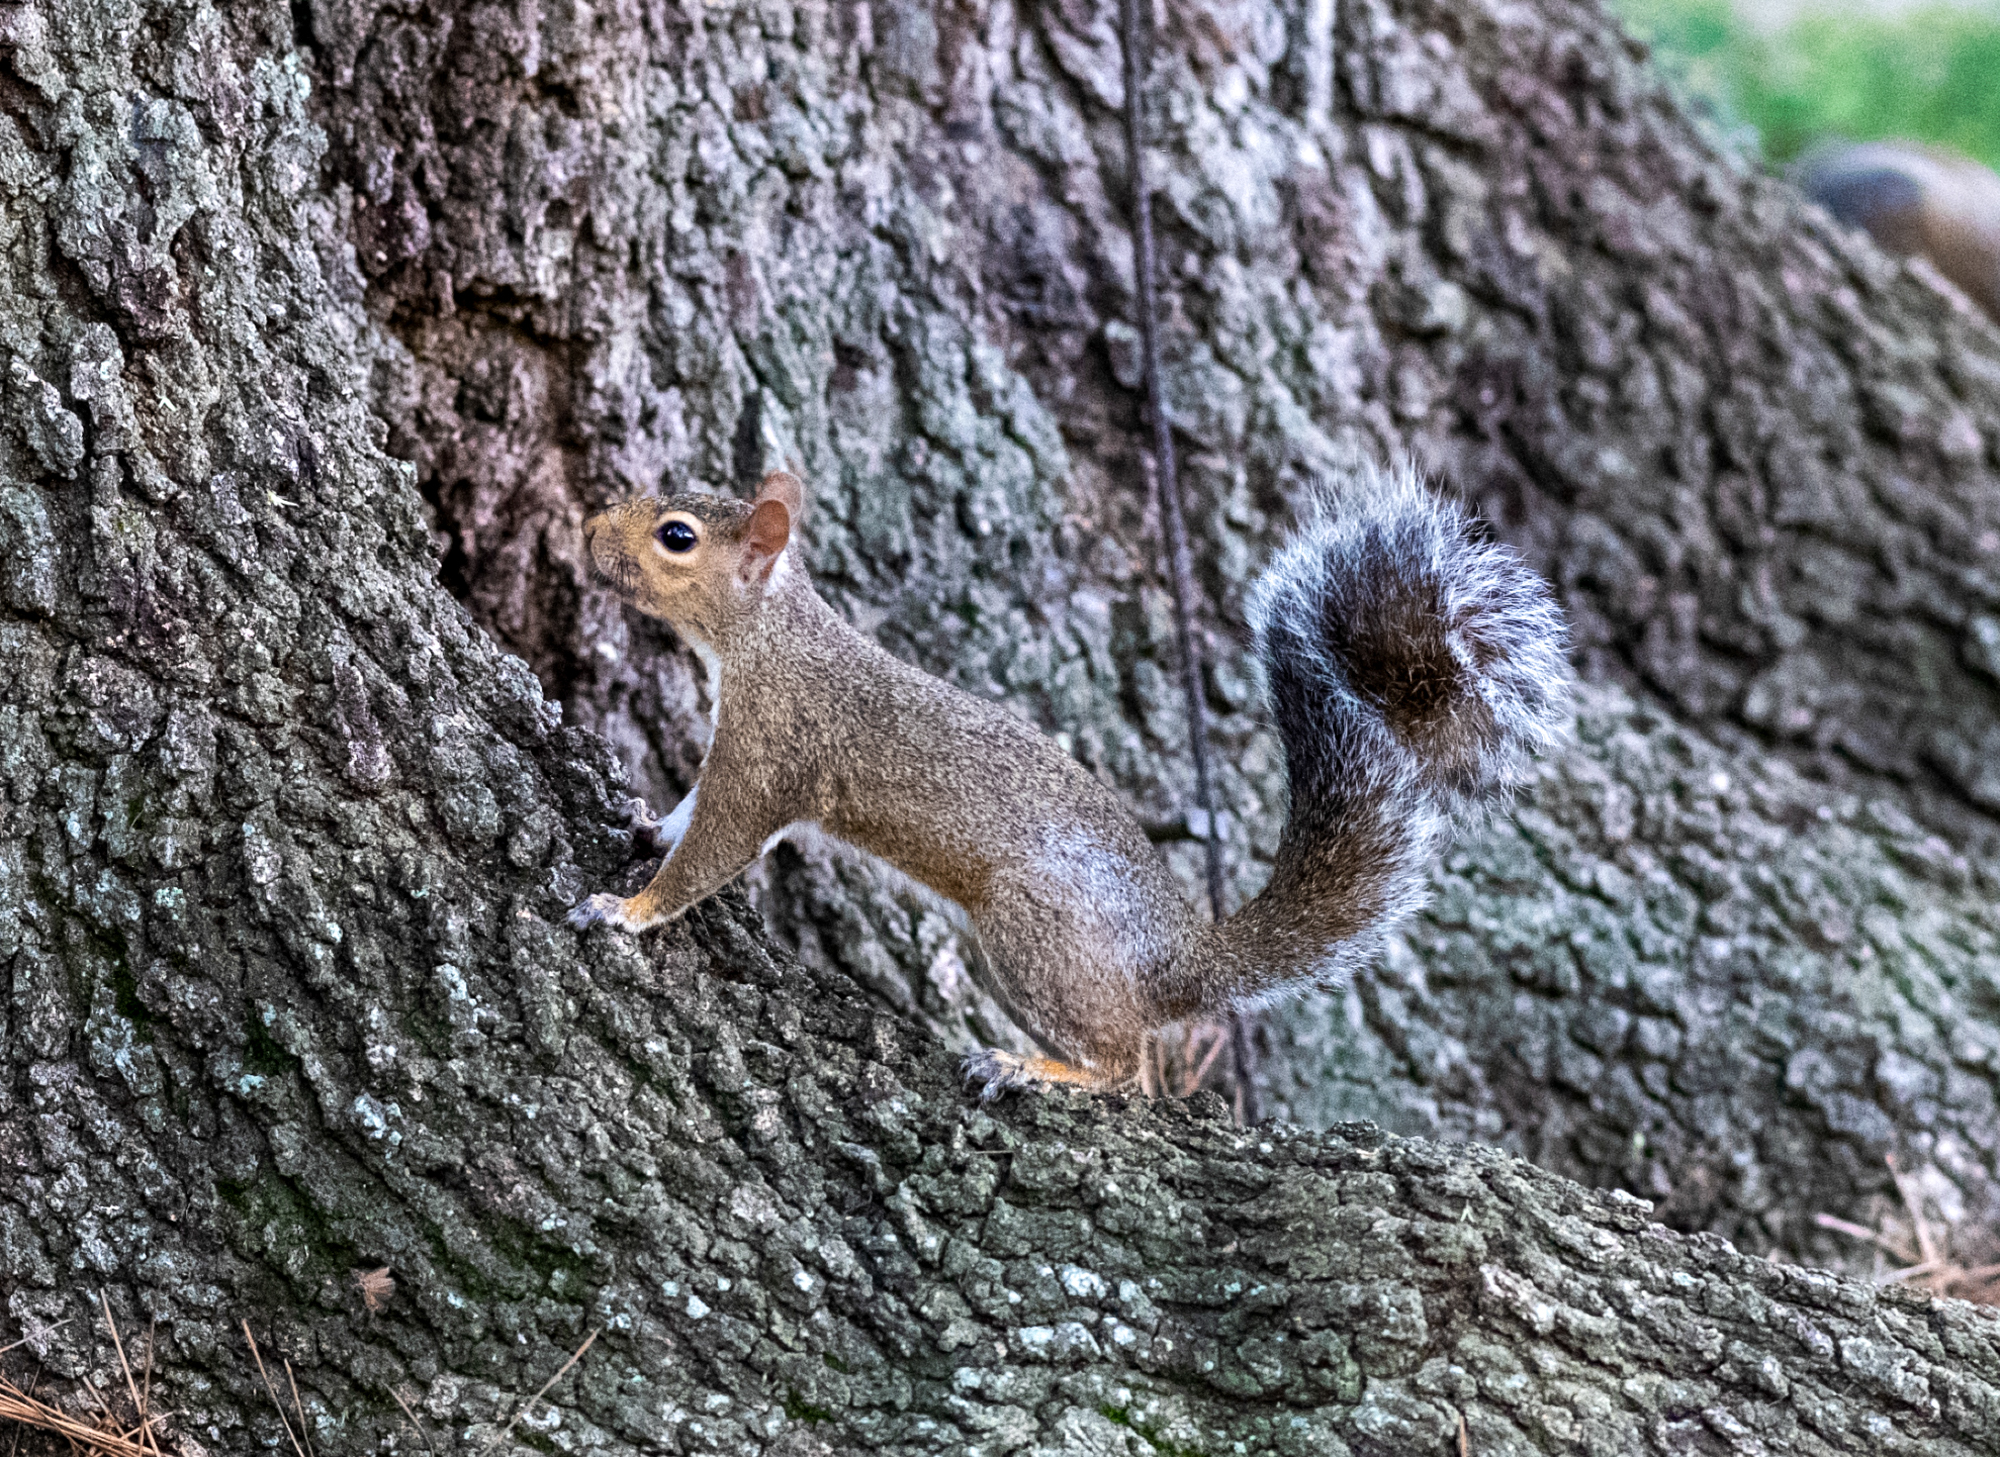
765	537
783	486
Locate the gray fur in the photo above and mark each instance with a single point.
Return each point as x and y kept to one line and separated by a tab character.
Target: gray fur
1413	670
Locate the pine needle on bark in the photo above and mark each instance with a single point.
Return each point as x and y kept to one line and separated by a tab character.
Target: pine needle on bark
108	1435
1925	1254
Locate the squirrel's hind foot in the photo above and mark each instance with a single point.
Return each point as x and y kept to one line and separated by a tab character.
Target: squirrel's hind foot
611	910
995	1072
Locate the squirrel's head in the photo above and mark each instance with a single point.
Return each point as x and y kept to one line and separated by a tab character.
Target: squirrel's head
701	562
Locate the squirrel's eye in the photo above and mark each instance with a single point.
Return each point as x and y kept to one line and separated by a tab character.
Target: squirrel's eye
677	536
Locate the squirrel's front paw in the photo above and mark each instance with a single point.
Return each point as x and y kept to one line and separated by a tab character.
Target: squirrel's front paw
647	839
607	909
994	1072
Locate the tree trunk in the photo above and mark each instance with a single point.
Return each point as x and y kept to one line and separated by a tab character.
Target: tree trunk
288	835
889	243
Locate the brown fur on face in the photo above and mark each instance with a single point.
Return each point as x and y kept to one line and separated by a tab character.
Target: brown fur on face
702	592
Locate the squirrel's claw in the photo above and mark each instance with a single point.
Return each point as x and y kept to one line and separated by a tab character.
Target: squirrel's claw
647	839
603	907
988	1071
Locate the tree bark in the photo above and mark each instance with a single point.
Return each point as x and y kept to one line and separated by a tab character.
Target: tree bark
886	241
1696	976
288	834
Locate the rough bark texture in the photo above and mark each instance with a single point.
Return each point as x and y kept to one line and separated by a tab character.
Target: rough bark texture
887	241
1690	974
287	836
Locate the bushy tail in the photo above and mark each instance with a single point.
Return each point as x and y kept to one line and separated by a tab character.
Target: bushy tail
1413	671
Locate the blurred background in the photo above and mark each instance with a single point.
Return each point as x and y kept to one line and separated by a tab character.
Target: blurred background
1782	77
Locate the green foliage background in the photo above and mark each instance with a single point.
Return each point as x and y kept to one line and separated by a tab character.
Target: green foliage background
1932	74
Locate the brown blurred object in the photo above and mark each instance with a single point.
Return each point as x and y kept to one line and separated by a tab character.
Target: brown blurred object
376	1287
1913	198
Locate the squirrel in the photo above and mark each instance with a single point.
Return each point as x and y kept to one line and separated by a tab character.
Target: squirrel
1912	198
1412	668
